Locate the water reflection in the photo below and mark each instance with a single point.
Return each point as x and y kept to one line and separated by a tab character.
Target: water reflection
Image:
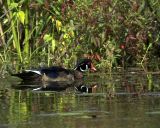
119	101
46	109
78	85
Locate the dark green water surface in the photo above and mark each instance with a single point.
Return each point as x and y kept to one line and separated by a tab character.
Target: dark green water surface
121	101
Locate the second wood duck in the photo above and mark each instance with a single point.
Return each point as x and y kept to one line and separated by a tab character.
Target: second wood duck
56	73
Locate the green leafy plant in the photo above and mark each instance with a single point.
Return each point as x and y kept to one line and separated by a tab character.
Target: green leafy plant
123	33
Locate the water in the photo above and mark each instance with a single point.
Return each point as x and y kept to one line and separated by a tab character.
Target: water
120	101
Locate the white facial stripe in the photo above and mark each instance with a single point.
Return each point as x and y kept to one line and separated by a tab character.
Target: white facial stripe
83	70
86	67
82	86
35	71
87	90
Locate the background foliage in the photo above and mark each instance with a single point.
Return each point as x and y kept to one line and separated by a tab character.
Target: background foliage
57	32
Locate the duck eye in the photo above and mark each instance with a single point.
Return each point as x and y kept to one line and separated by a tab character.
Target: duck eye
83	68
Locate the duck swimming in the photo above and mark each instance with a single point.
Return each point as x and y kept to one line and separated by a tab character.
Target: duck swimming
56	74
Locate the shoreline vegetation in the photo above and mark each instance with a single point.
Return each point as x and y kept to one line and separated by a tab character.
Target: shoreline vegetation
57	32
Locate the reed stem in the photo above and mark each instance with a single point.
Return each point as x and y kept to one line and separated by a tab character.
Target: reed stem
15	36
27	36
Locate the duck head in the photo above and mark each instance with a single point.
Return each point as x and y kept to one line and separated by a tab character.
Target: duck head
85	65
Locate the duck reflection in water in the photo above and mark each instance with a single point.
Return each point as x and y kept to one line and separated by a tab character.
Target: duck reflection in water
78	86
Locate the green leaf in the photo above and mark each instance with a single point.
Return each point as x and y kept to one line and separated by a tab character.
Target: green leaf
47	38
13	5
21	16
40	1
58	25
53	44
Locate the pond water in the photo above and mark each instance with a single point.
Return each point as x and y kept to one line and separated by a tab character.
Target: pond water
121	100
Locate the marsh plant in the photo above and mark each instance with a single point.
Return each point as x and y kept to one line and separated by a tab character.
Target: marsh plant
46	32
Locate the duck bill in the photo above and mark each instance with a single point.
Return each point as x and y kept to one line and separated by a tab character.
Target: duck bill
93	69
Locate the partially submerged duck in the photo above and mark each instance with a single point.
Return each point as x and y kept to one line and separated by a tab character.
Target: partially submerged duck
56	74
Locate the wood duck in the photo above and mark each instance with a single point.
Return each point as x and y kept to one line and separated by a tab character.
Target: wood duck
55	73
